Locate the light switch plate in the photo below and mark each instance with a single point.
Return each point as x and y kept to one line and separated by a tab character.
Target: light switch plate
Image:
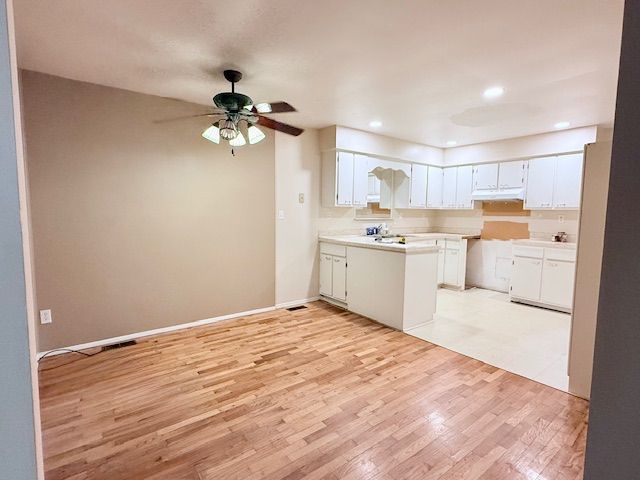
45	317
280	214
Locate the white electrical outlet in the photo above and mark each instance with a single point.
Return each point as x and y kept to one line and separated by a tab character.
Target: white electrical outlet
45	317
560	218
301	198
280	214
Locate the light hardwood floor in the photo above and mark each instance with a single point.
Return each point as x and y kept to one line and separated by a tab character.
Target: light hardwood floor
317	393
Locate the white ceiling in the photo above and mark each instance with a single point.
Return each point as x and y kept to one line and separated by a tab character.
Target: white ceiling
420	66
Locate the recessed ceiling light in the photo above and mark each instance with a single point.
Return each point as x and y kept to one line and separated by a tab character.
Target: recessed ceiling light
493	92
451	143
560	125
375	124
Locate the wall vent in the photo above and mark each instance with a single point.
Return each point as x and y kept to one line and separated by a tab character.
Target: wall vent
299	307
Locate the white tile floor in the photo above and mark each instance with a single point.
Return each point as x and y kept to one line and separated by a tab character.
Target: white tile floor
483	324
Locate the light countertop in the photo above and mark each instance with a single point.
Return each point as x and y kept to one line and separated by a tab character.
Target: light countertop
411	247
443	235
545	243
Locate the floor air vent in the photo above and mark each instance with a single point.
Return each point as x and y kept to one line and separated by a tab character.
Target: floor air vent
293	309
119	345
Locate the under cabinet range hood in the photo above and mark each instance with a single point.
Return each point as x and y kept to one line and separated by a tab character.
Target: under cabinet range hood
503	195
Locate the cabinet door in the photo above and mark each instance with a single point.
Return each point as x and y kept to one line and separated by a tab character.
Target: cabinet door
418	198
373	185
339	278
451	258
511	175
566	193
344	180
557	283
526	275
464	187
485	177
440	262
360	180
540	182
449	179
326	276
434	187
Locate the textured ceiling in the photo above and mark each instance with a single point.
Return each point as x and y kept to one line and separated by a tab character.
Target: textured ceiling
419	66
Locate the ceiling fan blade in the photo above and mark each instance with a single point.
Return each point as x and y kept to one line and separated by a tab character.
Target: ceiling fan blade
279	126
273	107
185	117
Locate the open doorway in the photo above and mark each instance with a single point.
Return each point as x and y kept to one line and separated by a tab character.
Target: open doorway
513	308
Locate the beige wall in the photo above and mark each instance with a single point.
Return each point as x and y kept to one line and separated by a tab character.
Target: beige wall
297	172
139	225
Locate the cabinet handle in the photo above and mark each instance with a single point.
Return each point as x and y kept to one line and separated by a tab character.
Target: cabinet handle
327	258
337	260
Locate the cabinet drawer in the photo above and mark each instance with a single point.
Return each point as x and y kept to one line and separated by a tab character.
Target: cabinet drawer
452	244
530	252
562	254
333	249
430	243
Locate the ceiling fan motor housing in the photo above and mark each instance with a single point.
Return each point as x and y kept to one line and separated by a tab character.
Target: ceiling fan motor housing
231	101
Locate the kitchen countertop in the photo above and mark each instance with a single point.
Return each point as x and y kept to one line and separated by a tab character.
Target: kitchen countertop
443	235
545	243
411	247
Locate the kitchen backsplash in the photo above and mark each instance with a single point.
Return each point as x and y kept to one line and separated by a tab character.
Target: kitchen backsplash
541	224
341	221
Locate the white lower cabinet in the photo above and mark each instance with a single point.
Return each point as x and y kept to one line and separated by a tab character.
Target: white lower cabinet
452	263
450	267
339	278
326	275
333	271
543	276
440	244
525	278
557	283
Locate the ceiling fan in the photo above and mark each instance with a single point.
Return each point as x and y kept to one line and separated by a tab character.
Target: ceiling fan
237	112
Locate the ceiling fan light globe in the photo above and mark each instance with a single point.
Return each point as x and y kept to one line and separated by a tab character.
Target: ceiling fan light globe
228	129
238	141
263	107
212	134
255	135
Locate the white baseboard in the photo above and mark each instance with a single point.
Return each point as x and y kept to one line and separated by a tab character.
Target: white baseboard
295	303
155	331
172	328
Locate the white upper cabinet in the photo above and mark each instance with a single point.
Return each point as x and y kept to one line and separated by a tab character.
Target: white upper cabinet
511	175
449	183
540	183
554	182
418	195
485	177
434	187
337	179
568	181
464	187
360	181
344	180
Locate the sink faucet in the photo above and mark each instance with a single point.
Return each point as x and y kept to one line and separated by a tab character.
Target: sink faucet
383	229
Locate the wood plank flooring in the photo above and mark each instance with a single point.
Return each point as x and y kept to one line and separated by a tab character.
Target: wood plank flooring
317	394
